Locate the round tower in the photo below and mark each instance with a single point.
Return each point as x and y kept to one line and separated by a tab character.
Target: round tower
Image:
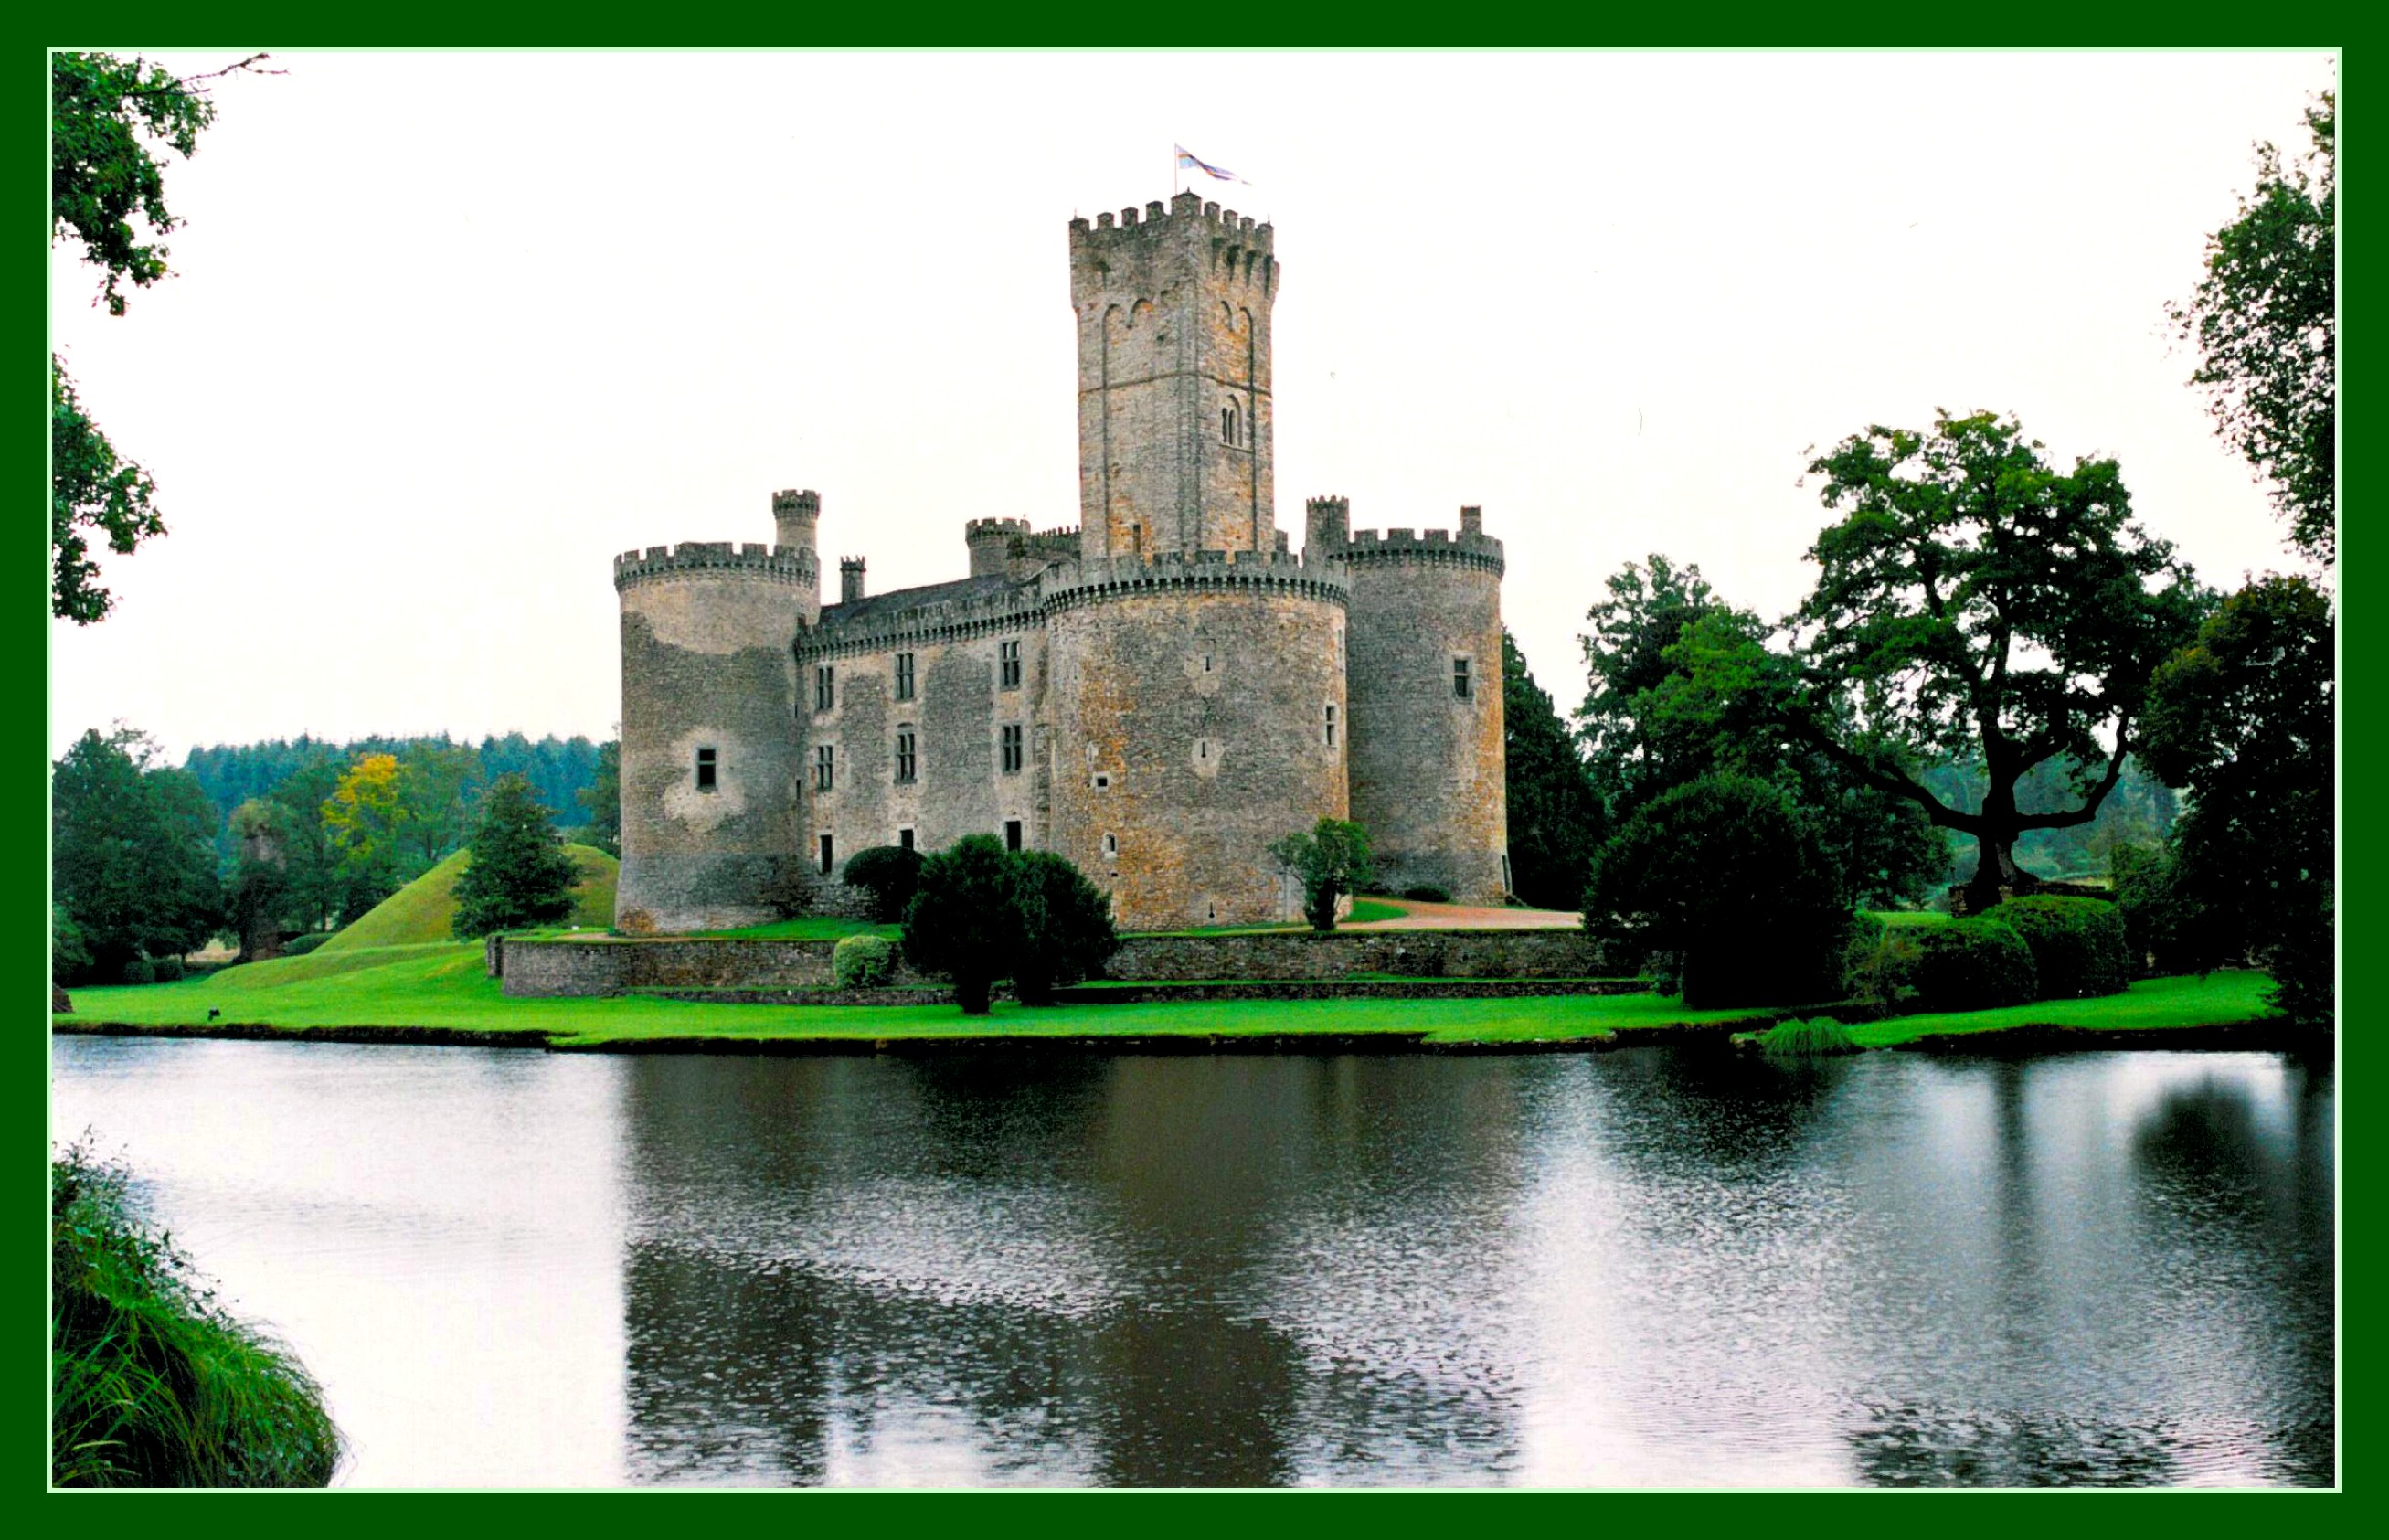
1424	674
708	775
1199	715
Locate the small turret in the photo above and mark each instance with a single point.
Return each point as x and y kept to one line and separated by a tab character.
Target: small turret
1327	525
797	514
850	580
989	540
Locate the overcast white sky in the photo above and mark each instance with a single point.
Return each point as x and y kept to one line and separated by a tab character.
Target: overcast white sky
449	331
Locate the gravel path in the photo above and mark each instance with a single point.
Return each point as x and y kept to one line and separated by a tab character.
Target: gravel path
1466	917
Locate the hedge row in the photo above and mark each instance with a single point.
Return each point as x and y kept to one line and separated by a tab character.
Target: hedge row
2026	949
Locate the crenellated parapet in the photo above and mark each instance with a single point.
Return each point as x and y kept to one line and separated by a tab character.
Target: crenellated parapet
793	566
1116	578
1422	547
957	619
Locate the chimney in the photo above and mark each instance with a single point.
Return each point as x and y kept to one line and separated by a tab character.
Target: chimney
850	580
1472	521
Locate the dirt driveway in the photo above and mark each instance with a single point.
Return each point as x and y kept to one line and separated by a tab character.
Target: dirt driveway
1466	917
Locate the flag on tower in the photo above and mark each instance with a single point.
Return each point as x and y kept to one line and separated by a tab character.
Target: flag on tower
1188	162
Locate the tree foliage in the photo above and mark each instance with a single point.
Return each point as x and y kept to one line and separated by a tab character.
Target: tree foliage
518	873
2242	720
1724	884
601	799
963	922
366	819
1556	818
131	852
1973	601
1332	860
2264	322
1066	926
109	119
889	873
1684	685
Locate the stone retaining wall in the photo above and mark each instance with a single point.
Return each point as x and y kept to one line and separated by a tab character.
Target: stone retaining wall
616	966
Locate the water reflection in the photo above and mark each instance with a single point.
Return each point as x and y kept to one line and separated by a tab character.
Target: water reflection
1649	1267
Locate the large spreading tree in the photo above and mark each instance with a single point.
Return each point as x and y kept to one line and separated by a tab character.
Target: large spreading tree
1556	818
1975	601
2263	321
131	852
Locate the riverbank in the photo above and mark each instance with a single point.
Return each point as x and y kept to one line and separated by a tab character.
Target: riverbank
441	994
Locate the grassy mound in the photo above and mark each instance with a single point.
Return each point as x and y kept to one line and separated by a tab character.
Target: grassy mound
152	1382
422	910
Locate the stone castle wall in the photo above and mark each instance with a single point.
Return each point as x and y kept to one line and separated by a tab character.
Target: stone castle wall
705	665
1427	765
1190	703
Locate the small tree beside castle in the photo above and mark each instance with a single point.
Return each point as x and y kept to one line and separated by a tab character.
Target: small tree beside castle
1333	862
518	872
982	913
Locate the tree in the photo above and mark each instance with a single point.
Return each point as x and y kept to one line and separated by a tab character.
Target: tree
1685	685
365	819
311	860
1332	860
2263	322
2242	720
106	114
1556	818
1066	926
963	922
131	852
517	874
1971	600
257	899
433	775
1724	883
602	799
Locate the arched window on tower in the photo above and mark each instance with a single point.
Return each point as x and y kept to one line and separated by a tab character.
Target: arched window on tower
1231	427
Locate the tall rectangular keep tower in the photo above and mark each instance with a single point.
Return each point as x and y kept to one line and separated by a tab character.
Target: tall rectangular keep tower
1174	412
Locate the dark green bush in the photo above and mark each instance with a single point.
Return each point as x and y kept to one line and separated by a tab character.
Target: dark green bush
1820	1036
864	961
2079	945
299	946
1975	964
963	922
1066	926
169	969
1428	893
891	873
153	1383
140	971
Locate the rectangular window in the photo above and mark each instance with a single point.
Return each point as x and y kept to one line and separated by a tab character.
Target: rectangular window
1011	748
1111	847
705	770
824	768
824	687
903	676
1460	679
1331	727
1007	655
829	856
907	767
1012	833
1102	783
904	840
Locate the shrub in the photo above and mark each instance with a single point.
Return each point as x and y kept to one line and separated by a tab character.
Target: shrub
517	874
151	1382
1332	859
1965	965
1724	874
140	971
1817	1038
963	922
2079	945
891	873
1428	893
1871	971
299	946
1066	926
167	970
864	961
68	956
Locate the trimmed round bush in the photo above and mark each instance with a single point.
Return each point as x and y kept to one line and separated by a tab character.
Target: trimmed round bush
299	946
889	873
169	969
864	961
1427	893
2078	945
140	971
1977	965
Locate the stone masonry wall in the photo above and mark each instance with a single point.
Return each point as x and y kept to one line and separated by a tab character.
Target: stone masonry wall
591	968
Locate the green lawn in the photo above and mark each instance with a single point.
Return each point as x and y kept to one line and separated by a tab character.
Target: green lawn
442	986
2152	1004
1897	917
423	910
810	927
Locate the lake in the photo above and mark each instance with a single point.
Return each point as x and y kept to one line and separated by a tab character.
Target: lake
1660	1266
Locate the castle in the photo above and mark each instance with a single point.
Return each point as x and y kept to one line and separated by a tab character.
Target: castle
1158	693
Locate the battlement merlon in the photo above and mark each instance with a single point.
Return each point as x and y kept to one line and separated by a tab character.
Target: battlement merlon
1184	215
1470	547
795	567
1070	583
